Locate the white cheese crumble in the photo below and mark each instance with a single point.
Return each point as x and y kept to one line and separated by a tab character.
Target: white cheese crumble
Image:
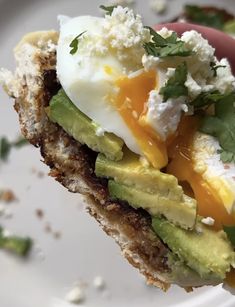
208	221
203	51
158	6
164	32
224	81
164	117
193	88
99	283
149	62
121	33
100	131
76	295
125	32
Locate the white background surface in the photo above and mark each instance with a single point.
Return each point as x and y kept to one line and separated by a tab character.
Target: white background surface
84	251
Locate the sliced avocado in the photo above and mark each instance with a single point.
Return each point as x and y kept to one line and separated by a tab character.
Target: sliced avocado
63	112
207	251
130	171
183	275
179	213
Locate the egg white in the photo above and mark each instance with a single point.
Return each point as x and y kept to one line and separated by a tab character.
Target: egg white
85	81
207	162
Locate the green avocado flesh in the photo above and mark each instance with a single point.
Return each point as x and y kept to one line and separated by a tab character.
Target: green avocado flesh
183	275
131	172
208	252
177	212
63	112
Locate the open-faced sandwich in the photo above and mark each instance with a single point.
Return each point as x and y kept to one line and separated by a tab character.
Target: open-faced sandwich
143	124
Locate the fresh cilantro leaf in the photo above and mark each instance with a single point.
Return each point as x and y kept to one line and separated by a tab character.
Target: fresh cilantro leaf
21	141
206	99
222	125
74	44
163	47
230	231
5	147
175	86
214	68
229	27
226	157
108	9
18	245
199	15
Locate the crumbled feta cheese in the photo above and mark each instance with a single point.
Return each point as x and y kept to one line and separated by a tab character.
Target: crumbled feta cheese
100	131
164	32
76	295
224	81
149	62
199	63
99	283
124	29
193	88
159	113
208	221
125	32
158	6
203	51
122	32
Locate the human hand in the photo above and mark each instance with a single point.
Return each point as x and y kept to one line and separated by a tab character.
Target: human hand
223	43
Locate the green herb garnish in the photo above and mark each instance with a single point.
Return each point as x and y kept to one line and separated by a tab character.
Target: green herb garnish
74	44
229	26
214	68
17	245
222	126
199	15
175	86
205	99
230	231
108	9
163	47
6	146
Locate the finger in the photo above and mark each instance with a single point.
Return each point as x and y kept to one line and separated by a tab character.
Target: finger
223	43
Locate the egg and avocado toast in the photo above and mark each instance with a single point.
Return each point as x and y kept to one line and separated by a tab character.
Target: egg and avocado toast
141	123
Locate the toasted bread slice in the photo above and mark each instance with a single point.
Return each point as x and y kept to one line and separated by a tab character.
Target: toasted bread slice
72	164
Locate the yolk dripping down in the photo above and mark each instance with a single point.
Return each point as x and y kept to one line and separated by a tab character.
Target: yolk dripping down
131	104
181	166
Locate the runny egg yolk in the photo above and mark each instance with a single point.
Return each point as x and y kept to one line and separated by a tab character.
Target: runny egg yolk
131	104
181	166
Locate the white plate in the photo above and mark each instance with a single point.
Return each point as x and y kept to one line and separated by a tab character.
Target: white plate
83	251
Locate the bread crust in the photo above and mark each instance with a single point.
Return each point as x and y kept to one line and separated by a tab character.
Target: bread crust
72	164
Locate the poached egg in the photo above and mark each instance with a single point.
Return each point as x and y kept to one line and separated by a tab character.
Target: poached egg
112	80
106	80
